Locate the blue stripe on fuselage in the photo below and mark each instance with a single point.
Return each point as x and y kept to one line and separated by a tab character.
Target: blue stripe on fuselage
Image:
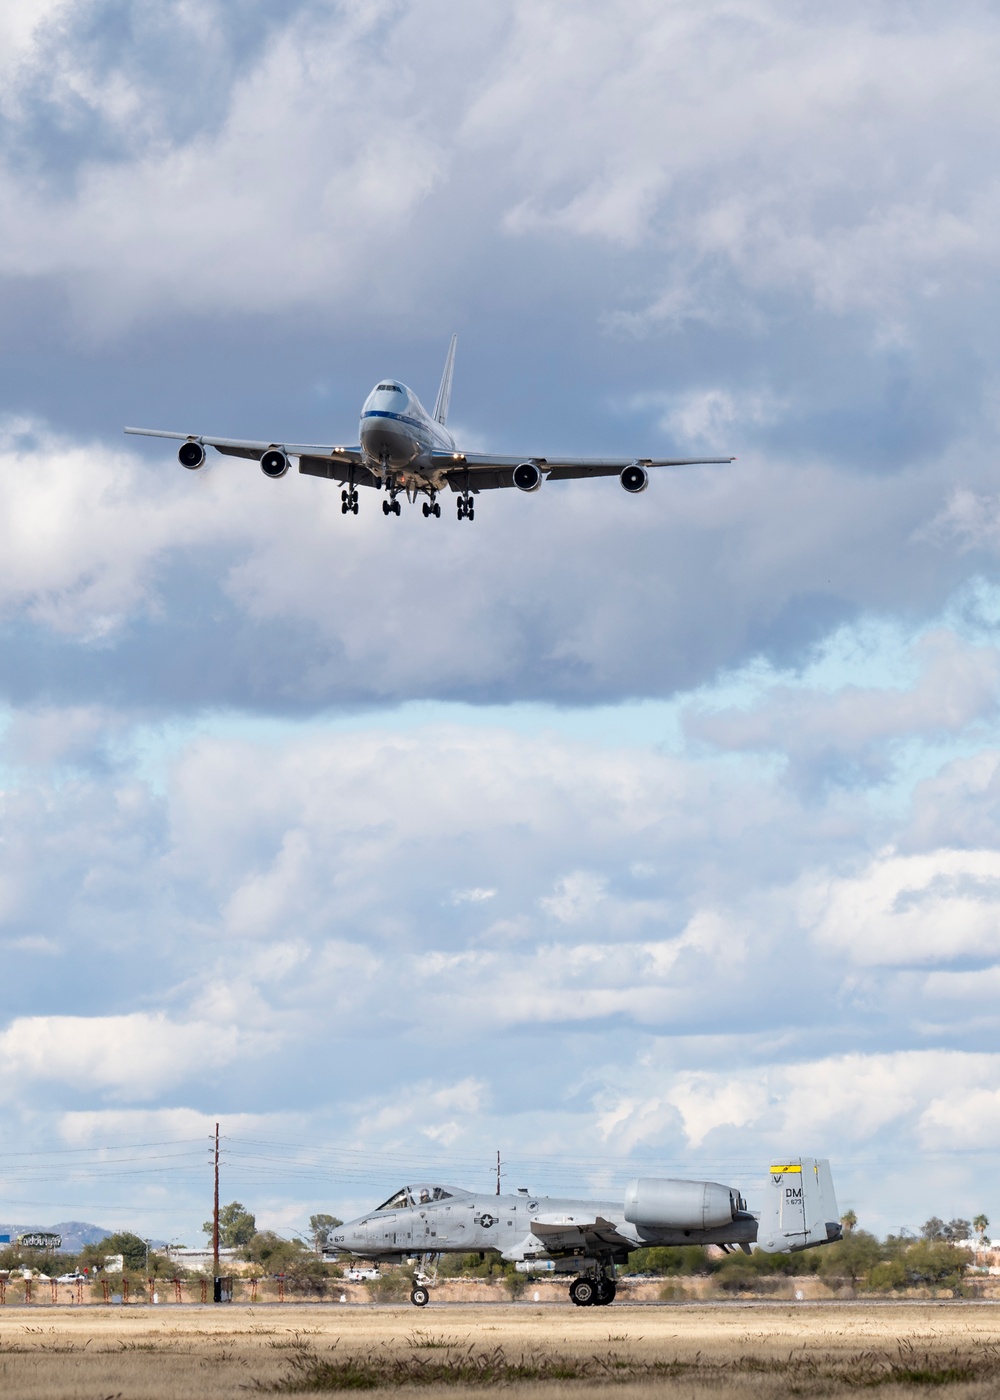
398	417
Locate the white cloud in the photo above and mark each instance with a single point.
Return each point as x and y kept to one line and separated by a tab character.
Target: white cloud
429	1111
911	909
135	1056
957	684
20	22
802	150
931	1100
798	208
578	896
717	416
473	896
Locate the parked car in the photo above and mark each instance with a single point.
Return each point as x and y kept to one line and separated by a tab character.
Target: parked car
361	1275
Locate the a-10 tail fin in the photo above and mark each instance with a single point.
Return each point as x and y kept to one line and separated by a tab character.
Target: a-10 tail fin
800	1207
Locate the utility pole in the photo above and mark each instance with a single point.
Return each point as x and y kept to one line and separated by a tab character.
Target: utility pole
215	1213
498	1171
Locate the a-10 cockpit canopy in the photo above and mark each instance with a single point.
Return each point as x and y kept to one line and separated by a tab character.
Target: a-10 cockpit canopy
420	1196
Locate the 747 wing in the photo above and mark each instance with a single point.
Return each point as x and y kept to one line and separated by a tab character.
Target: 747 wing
482	471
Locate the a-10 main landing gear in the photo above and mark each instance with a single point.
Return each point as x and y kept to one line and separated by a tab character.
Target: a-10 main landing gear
593	1290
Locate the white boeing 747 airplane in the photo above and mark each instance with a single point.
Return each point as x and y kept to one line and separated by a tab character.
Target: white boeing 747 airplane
404	449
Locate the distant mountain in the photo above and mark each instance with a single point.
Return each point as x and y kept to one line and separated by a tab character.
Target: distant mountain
75	1233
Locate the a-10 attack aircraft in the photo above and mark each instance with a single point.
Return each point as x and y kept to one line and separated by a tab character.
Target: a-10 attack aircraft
404	449
588	1238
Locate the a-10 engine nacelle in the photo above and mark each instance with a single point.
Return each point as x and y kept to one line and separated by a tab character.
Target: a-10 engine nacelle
634	478
274	463
659	1203
528	476
192	456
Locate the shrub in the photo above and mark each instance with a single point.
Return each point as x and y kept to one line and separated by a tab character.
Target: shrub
390	1287
515	1283
670	1260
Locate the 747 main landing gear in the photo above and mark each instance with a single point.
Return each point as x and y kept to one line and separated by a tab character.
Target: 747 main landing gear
432	507
466	507
391	507
349	502
595	1291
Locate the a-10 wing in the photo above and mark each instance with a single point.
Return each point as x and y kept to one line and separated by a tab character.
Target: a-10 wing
564	1236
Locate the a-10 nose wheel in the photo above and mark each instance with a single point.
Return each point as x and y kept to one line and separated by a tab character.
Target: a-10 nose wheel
349	502
420	1296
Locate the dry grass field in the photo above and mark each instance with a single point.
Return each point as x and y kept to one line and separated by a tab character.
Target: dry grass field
690	1351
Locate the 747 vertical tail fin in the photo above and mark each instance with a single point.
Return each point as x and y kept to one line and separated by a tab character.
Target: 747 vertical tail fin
444	393
800	1207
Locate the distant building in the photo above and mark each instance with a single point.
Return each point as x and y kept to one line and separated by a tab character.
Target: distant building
203	1260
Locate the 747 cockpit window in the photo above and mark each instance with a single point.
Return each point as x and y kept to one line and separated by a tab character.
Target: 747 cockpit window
391	388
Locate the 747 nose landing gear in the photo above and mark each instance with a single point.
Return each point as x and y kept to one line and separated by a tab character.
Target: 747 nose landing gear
432	508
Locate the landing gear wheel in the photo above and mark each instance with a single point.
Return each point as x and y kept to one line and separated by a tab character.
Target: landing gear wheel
427	510
606	1291
436	508
583	1292
397	508
420	1296
386	507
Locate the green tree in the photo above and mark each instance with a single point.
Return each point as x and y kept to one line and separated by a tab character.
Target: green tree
932	1229
853	1258
670	1259
237	1226
123	1242
957	1230
934	1262
888	1273
322	1227
303	1272
848	1221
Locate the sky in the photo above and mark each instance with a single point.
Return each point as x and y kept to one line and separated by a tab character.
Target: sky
623	835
